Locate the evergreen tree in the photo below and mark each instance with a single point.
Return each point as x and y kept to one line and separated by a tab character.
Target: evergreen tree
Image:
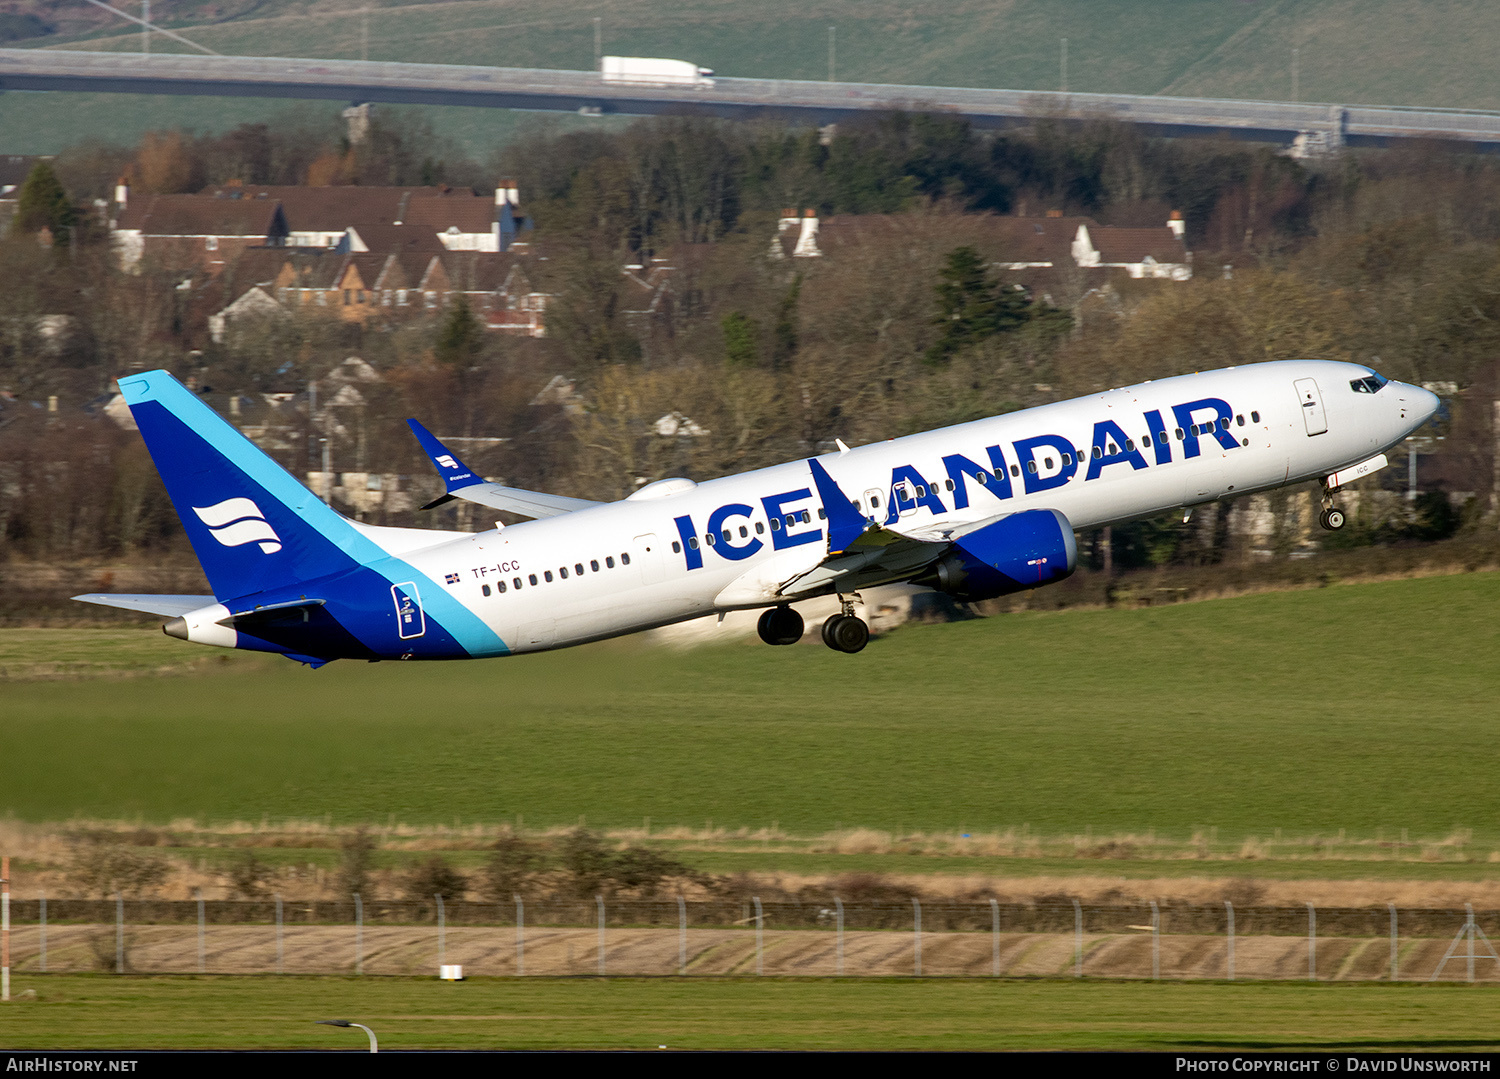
972	306
43	203
739	339
462	337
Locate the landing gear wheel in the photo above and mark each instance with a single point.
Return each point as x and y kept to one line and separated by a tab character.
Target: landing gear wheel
780	625
1332	519
846	633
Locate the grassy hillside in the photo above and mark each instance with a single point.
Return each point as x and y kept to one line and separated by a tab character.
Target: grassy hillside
1375	51
1359	707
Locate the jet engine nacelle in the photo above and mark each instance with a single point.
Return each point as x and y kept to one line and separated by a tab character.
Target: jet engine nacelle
1025	550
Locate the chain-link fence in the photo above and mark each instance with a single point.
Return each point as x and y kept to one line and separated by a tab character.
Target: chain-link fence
718	938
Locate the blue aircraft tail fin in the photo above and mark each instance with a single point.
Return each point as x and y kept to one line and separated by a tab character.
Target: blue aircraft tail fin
252	525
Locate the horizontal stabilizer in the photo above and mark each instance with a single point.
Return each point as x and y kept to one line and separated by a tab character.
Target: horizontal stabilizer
175	606
461	482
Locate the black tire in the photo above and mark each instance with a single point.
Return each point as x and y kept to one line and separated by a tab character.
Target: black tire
780	626
849	634
1334	520
829	624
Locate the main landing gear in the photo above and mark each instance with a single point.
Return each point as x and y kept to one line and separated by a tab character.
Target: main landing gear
1332	518
845	632
780	625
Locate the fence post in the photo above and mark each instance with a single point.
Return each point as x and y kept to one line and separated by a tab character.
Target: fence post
279	965
119	933
600	900
1392	908
521	937
760	941
43	898
1229	907
359	934
995	937
1312	943
442	943
681	935
1077	940
1155	942
916	935
838	907
202	959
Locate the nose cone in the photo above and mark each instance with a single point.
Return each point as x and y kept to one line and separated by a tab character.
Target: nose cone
1425	404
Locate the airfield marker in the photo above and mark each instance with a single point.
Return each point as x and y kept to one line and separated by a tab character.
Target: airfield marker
119	933
1229	909
1155	942
1312	943
760	926
995	935
1077	939
838	906
681	935
441	928
201	957
42	901
278	934
5	928
916	905
600	900
521	938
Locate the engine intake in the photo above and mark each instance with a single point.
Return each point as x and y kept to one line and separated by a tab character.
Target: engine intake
1022	551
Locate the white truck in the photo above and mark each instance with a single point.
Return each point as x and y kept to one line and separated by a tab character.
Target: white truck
644	71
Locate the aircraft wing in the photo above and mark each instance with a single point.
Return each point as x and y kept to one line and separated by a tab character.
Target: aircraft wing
461	482
175	606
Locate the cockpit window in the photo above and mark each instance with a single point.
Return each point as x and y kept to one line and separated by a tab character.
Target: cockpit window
1371	384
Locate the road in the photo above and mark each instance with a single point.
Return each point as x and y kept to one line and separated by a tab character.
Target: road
1329	125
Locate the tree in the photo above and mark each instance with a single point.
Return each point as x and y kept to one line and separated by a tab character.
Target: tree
461	338
512	868
436	876
972	306
739	339
43	203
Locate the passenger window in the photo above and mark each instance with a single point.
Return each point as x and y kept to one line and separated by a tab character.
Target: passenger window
949	484
806	517
485	589
594	562
745	531
532	579
1113	449
759	528
692	542
1049	462
822	516
563	571
500	587
1240	419
1098	453
921	491
984	478
708	538
1130	445
1015	470
578	568
624	559
676	549
791	519
728	535
1179	434
1067	459
609	563
518	583
547	576
874	501
1255	417
1031	466
775	524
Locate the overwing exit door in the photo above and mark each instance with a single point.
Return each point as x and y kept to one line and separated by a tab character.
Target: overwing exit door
1312	406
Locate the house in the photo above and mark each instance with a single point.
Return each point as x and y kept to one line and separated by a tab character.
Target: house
193	232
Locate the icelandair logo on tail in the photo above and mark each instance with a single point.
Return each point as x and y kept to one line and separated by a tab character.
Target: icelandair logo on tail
237	521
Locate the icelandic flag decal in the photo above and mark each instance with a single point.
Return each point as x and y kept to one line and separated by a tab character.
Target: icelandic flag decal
451	578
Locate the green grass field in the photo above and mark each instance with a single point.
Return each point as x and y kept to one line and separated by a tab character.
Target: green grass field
102	1011
1360	707
1353	51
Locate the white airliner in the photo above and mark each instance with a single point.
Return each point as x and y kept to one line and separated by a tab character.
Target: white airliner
977	511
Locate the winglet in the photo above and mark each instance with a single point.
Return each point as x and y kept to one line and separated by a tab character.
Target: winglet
455	473
845	523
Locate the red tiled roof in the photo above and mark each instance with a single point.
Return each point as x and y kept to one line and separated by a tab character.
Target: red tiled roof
193	215
1124	245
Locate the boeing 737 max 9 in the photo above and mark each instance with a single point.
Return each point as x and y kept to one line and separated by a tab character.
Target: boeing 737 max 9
977	510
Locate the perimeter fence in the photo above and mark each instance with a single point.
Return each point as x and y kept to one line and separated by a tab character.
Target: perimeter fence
676	936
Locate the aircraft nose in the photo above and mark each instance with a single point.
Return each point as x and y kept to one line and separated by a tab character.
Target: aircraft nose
1423	404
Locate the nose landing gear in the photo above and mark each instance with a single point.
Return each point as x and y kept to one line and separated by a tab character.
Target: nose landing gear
1332	518
845	632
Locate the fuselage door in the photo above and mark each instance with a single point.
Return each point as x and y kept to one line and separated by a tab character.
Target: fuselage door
872	508
905	498
1312	406
648	554
410	620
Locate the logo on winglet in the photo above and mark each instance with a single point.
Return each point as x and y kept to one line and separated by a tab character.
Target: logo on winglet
446	461
237	521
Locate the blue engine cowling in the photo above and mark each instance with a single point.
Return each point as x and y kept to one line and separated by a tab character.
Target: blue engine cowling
1025	550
